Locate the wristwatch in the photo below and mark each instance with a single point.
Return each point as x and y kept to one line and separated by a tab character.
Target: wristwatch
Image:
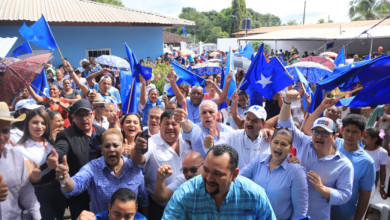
383	186
63	183
286	103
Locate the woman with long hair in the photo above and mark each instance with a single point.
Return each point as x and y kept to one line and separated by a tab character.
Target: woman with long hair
131	125
68	93
57	123
36	144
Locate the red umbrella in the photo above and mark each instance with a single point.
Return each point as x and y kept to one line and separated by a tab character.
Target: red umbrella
320	60
20	74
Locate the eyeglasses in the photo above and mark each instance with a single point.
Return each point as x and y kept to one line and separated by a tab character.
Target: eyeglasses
86	116
324	133
192	170
99	107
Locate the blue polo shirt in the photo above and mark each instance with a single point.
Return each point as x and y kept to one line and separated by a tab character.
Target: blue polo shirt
104	216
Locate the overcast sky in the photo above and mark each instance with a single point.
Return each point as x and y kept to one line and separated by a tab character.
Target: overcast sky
286	9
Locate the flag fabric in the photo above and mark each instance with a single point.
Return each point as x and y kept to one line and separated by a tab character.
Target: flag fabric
368	57
340	59
180	80
303	81
328	46
188	76
203	59
247	52
137	68
268	80
40	34
229	67
223	105
316	101
255	98
184	31
22	49
40	83
126	83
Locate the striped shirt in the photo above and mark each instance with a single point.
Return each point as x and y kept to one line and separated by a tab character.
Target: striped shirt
245	200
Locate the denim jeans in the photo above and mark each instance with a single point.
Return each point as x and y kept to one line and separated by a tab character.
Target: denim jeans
52	201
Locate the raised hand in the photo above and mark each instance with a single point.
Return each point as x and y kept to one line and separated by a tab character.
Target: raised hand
180	115
126	148
142	79
56	131
235	97
164	171
229	77
3	189
62	169
291	96
140	143
307	98
328	102
113	117
86	215
171	76
36	172
52	160
209	140
92	96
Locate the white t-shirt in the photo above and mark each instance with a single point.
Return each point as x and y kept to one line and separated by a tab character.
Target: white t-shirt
16	134
34	151
177	183
380	157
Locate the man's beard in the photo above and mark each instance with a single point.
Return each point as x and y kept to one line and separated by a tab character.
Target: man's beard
215	192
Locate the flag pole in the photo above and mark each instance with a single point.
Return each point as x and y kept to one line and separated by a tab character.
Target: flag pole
131	92
284	67
30	48
60	51
307	106
238	88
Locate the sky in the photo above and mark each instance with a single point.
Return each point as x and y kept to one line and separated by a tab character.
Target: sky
285	9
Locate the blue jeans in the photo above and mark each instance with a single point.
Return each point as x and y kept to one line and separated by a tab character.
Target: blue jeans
52	201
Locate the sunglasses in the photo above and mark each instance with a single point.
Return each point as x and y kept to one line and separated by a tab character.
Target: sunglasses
324	133
192	169
99	107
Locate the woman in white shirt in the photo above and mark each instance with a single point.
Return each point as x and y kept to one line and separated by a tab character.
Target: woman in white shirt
131	125
372	140
36	144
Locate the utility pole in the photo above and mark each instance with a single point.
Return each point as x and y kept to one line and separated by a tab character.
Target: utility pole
237	24
328	18
304	12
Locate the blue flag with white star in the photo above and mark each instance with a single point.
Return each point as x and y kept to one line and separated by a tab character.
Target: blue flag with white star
267	79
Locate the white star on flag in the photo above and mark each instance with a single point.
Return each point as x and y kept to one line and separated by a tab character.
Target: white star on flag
264	81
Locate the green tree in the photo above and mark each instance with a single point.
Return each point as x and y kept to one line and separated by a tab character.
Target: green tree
238	10
216	33
368	9
292	22
111	2
256	45
320	21
202	27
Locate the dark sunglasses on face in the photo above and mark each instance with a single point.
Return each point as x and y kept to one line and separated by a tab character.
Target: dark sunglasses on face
99	107
324	133
192	169
86	116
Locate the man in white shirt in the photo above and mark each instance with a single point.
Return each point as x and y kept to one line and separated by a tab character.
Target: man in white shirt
165	148
99	105
192	166
154	120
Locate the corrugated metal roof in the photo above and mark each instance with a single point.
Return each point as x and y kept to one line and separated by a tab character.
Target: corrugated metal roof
322	34
6	45
82	11
317	26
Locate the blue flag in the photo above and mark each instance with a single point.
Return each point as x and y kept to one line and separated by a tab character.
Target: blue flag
180	80
22	49
368	57
188	76
184	31
340	59
40	34
247	52
316	101
305	83
229	67
255	98
40	83
129	104
266	79
202	58
137	68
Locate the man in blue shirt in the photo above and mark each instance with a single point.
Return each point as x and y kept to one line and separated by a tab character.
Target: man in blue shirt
104	87
180	59
87	69
123	205
330	173
363	164
219	193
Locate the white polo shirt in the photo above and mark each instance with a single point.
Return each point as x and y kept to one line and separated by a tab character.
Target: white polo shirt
34	151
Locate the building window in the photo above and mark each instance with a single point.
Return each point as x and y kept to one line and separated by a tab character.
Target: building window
98	52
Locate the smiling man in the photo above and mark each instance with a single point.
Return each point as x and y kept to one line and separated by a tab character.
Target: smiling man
154	120
219	193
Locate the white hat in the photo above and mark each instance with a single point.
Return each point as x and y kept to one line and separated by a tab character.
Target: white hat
28	104
83	60
6	116
325	123
259	111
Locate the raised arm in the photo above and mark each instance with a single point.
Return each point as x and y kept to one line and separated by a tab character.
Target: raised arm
36	97
239	121
179	97
326	103
285	111
143	90
161	192
180	117
95	74
270	123
217	89
225	91
74	77
136	152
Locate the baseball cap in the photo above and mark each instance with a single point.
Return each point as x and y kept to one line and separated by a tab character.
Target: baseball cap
81	104
28	104
259	111
325	123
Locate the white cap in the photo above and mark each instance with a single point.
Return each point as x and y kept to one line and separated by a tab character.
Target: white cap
325	123
259	111
28	104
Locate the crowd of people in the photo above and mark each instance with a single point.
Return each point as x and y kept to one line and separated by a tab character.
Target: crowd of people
179	157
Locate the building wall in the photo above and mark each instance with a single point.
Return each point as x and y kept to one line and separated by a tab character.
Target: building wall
74	40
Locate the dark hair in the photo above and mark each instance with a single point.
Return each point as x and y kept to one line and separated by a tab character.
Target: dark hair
58	87
123	121
167	114
26	133
241	92
52	114
221	149
374	133
284	132
86	64
153	90
124	195
47	105
354	119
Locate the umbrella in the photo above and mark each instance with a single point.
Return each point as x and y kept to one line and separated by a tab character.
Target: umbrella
214	54
329	54
186	53
112	60
241	62
349	61
313	72
20	74
321	60
6	61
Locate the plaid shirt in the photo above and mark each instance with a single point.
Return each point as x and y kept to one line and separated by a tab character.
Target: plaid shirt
245	200
101	183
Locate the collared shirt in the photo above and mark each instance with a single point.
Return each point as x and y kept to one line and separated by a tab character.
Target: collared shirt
101	183
193	112
105	123
336	172
177	182
104	216
245	147
112	90
245	200
241	114
20	190
363	178
159	153
94	146
34	151
16	135
286	186
199	132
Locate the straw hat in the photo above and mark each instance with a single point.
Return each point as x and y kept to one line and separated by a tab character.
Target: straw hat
6	116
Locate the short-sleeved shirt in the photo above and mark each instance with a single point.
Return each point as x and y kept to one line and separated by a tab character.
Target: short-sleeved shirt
64	114
113	91
380	157
71	95
60	84
177	182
